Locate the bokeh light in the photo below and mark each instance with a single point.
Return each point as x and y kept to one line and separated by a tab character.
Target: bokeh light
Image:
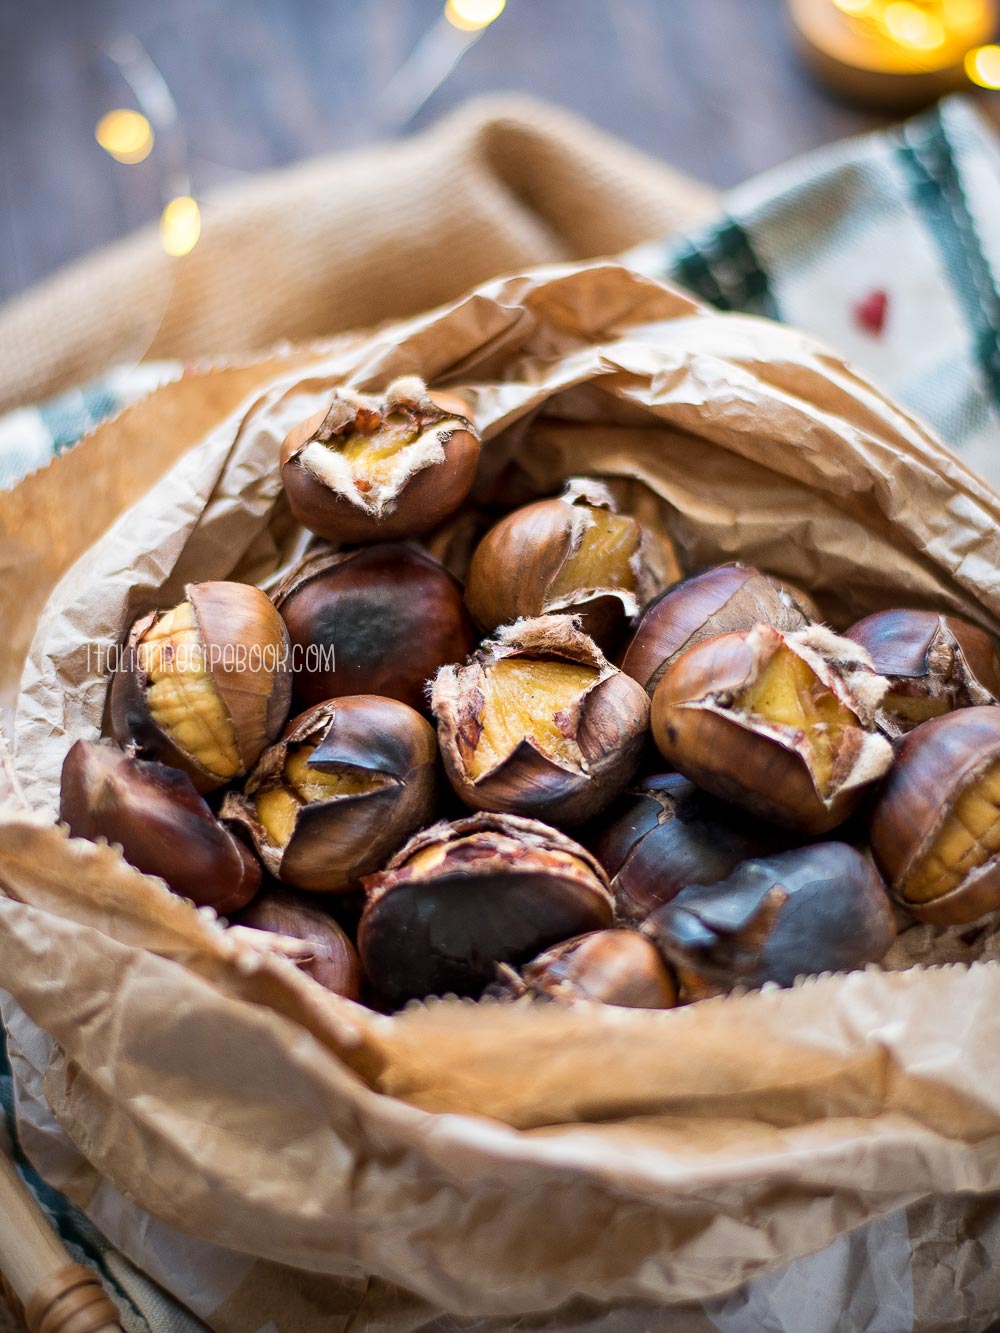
856	8
180	225
912	26
471	15
126	135
983	66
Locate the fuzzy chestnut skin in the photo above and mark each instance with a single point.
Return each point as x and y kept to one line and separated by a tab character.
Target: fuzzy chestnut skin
390	613
334	963
337	841
820	908
608	726
248	657
460	898
432	489
619	967
768	770
935	664
933	764
163	826
721	600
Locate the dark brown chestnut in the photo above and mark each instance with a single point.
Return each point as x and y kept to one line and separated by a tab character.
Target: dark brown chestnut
820	908
573	554
374	468
333	960
934	664
539	723
347	783
619	967
378	620
935	828
163	826
722	600
781	724
460	898
205	686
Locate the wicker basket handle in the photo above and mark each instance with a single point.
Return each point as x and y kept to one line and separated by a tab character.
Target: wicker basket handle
40	1283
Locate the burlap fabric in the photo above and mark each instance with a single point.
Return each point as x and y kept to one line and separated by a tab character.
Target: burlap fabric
347	241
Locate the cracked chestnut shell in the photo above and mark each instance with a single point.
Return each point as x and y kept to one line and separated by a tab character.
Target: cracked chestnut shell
666	834
334	962
574	554
722	600
935	828
935	664
462	897
539	723
821	908
348	782
619	967
378	620
163	826
783	725
372	468
204	686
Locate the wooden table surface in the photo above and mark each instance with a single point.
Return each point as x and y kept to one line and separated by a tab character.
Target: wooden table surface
712	86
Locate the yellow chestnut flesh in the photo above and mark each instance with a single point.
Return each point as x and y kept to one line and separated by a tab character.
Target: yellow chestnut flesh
374	460
523	699
968	838
182	696
605	557
278	807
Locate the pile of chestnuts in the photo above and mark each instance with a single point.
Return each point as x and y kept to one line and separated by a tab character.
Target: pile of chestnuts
580	777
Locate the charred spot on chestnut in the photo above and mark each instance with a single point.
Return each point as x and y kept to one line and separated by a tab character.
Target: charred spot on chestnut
205	686
369	468
334	962
574	554
820	908
782	724
162	825
619	967
539	723
935	828
347	783
666	834
935	664
460	898
723	600
378	620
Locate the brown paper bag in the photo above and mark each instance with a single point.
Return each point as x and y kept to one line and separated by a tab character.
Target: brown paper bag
491	1163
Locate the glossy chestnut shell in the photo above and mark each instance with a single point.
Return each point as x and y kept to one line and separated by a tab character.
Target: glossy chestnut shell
334	962
619	967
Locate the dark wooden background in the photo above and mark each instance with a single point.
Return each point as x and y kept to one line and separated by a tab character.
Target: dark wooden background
710	85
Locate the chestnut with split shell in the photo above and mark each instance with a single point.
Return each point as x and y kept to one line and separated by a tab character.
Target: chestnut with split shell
205	686
820	908
619	967
164	827
935	664
372	468
722	600
782	724
332	961
539	723
378	620
462	897
935	828
347	783
573	554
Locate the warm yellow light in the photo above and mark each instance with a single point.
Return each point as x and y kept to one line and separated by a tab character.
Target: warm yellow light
180	225
471	15
912	26
965	13
856	8
126	135
983	66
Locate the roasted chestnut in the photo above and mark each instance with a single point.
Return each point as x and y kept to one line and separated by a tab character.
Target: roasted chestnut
379	620
460	898
619	967
820	908
163	826
574	554
782	724
666	834
205	686
935	828
348	782
333	960
721	600
934	663
539	723
372	468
